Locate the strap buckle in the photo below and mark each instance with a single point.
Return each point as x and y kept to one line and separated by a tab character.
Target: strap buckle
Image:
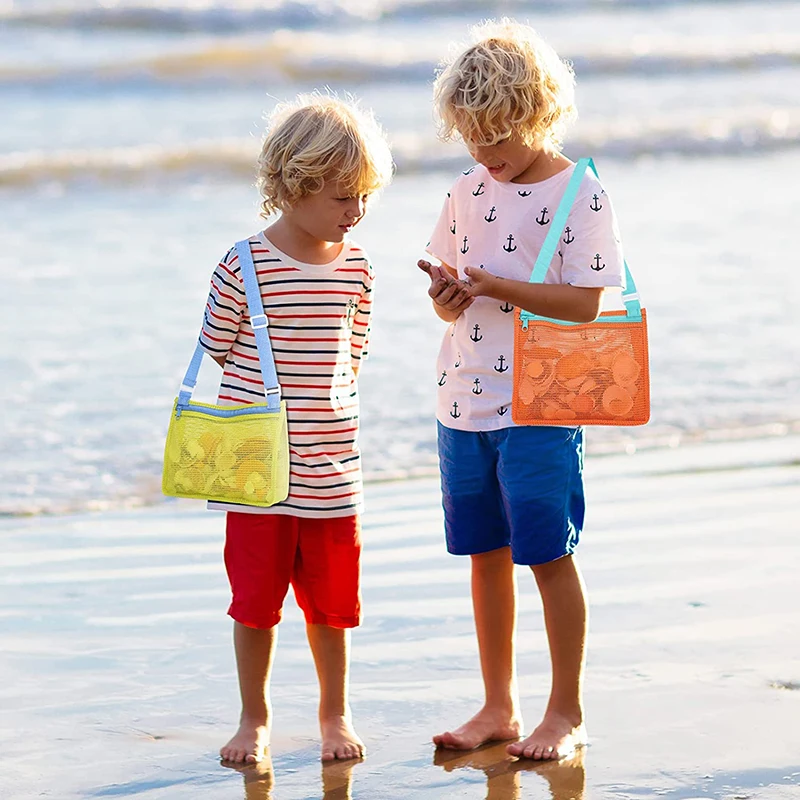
259	321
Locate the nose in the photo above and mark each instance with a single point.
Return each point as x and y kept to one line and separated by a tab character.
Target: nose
356	207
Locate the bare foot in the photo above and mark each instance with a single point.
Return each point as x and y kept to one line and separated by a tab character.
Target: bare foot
556	737
486	726
339	740
249	744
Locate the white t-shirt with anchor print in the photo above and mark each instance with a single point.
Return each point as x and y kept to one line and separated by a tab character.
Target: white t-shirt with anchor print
501	227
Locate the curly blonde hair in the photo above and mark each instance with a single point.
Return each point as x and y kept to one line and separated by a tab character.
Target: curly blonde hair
509	82
316	139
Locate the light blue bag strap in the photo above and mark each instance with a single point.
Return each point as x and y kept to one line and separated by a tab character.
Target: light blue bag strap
259	322
630	296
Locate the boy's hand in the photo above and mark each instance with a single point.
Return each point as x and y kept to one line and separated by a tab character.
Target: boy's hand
445	290
481	282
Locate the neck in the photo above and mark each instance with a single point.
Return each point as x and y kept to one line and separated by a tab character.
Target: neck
299	244
546	164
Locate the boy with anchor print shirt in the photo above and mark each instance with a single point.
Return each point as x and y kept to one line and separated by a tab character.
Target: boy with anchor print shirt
513	494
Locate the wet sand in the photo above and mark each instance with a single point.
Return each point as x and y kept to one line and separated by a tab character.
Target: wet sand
117	675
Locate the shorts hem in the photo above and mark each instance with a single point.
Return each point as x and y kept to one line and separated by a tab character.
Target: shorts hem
478	551
539	560
333	621
260	624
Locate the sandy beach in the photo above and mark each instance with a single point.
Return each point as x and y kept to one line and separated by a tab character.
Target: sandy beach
117	675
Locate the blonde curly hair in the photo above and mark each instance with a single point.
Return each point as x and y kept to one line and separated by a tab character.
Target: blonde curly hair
510	81
316	139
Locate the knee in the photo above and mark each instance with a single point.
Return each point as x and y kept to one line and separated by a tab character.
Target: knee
551	571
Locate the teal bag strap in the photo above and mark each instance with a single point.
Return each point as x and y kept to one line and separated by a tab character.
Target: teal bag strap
630	296
258	319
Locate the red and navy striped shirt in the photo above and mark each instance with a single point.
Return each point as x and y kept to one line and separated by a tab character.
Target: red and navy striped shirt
319	316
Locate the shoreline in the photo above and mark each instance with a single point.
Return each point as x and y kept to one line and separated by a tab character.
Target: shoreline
779	440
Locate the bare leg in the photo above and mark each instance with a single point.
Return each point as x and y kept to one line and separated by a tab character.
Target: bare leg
562	729
329	647
494	603
255	649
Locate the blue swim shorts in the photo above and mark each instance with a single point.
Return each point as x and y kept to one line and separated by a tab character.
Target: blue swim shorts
519	486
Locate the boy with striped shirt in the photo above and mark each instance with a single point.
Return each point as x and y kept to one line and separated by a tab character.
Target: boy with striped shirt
320	162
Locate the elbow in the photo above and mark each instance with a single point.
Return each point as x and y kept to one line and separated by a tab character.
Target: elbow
590	309
588	314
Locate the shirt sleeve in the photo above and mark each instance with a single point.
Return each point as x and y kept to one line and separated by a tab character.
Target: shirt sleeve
442	245
362	318
591	249
225	307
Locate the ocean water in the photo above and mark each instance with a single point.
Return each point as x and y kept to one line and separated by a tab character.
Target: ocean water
126	170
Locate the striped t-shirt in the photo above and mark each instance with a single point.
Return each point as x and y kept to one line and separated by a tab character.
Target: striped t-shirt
319	317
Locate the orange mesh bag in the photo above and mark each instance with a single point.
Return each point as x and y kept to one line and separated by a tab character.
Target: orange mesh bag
595	373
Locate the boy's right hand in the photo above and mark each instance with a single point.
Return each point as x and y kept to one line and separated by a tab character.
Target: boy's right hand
445	290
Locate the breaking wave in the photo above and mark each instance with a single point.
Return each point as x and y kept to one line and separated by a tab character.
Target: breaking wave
362	58
760	131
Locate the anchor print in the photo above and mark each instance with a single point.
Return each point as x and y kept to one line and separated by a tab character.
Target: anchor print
491	216
596	205
543	219
475	335
453	227
502	410
568	239
522	194
596	266
455	413
465	246
510	247
506	308
477	389
458	362
443	379
502	362
479	190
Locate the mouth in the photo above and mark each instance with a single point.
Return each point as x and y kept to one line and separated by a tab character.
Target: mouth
496	169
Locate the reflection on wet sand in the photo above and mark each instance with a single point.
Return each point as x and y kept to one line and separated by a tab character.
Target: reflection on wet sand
259	779
566	778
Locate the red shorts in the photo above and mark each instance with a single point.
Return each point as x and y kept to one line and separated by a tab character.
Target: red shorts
321	558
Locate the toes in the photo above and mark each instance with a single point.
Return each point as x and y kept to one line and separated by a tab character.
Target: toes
515	749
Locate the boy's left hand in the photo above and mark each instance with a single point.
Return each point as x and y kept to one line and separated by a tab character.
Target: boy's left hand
481	282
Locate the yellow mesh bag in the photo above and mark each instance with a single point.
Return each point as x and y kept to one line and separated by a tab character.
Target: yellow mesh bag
240	456
236	453
592	374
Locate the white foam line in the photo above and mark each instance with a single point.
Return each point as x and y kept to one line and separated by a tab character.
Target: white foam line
131	573
38	557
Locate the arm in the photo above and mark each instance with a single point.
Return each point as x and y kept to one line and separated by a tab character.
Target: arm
556	300
451	296
362	320
224	309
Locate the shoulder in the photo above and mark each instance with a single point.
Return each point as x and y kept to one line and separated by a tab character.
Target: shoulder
468	180
356	256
